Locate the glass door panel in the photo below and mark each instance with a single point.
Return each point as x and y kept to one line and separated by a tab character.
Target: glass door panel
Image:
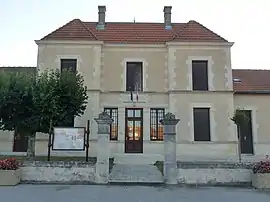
130	130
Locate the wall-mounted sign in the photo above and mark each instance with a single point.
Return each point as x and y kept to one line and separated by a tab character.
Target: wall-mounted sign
72	139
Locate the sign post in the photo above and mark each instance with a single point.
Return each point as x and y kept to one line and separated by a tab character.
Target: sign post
69	139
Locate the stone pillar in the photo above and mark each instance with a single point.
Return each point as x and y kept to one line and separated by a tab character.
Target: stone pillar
102	165
170	164
121	127
146	122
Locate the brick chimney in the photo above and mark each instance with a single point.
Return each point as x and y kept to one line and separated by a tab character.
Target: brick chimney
101	17
167	17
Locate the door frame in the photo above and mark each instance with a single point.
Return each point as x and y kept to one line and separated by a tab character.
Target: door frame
126	127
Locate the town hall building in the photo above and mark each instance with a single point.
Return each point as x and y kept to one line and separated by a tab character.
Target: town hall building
138	71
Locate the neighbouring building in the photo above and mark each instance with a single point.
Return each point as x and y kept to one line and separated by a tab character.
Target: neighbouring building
183	68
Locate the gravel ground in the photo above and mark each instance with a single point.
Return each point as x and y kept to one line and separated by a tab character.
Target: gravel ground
113	193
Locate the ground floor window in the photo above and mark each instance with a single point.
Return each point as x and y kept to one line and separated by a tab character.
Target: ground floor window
156	128
113	113
201	122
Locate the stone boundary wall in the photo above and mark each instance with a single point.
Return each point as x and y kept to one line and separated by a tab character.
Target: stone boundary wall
188	173
210	173
59	172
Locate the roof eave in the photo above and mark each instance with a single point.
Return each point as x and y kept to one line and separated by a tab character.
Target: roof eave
254	92
68	42
214	44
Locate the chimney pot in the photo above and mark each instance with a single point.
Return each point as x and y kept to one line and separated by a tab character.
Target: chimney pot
101	17
167	17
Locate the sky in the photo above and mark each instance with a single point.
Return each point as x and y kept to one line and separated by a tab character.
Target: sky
246	23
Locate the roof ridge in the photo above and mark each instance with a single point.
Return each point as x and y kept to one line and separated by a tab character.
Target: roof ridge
88	29
126	22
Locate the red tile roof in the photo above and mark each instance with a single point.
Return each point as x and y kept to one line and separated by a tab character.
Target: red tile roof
73	30
129	32
251	81
194	31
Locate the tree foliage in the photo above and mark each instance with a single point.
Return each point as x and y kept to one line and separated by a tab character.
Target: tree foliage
28	103
16	100
60	97
239	117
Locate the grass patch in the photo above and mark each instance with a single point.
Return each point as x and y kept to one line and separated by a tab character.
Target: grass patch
159	165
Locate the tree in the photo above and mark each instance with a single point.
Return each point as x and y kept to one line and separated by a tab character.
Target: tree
28	104
16	102
59	97
239	118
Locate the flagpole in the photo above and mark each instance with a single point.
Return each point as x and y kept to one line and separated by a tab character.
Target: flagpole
137	92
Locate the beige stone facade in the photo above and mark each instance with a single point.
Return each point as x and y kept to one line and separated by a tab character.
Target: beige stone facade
167	83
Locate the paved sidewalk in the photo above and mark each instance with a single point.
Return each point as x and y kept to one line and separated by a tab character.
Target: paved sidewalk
95	193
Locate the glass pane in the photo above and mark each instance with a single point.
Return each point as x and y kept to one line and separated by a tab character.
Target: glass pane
153	133
130	113
137	129
114	132
130	130
156	128
107	111
137	113
160	132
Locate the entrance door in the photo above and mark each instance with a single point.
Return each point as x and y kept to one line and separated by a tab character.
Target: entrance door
246	135
134	130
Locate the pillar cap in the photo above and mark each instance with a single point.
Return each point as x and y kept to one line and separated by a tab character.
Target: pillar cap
104	118
169	119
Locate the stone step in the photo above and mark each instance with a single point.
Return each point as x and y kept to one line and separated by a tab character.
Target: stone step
137	159
123	173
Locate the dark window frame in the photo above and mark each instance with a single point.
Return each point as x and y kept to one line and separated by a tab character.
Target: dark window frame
200	79
203	133
71	62
130	75
155	114
113	113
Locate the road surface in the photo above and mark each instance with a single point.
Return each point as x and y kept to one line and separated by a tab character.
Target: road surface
113	193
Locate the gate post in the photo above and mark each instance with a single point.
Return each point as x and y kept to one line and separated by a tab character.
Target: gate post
170	164
102	166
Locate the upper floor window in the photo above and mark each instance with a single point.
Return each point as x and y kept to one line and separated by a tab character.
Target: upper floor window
201	123
113	113
69	65
134	76
156	128
200	75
